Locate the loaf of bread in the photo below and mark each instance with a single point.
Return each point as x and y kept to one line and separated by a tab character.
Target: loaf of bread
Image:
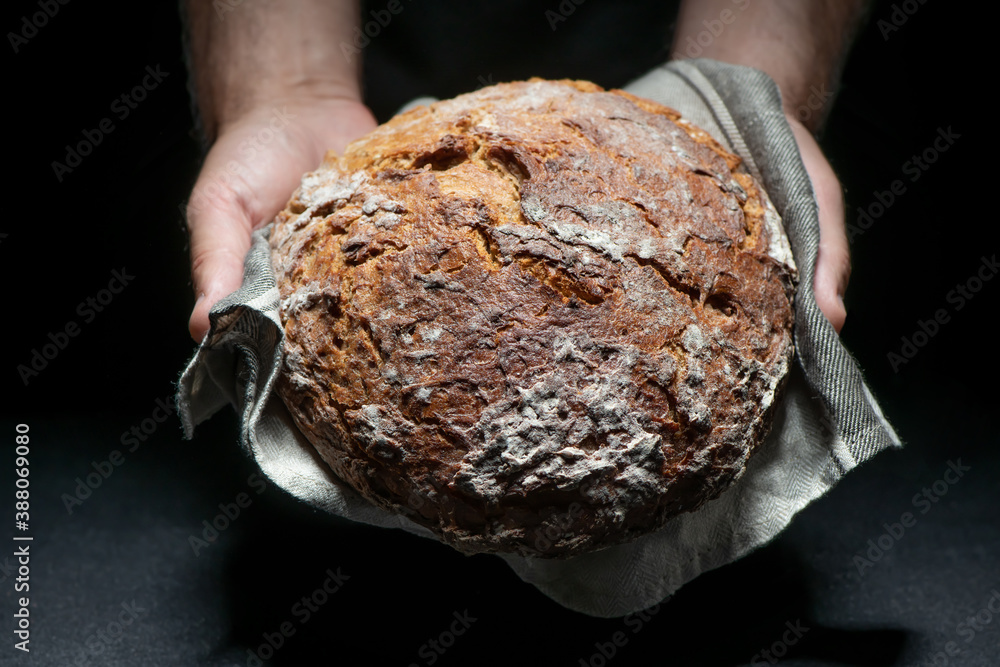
541	318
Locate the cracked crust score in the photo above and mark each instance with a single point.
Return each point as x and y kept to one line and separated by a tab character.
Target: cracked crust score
540	318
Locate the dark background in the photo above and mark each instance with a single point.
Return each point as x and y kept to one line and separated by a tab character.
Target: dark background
120	209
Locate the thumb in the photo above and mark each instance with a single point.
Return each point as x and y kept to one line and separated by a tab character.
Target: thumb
220	238
833	264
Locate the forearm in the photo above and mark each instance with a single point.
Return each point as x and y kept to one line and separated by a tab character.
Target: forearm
801	44
260	52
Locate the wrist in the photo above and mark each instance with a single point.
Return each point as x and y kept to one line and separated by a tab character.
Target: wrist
305	125
268	52
313	100
800	45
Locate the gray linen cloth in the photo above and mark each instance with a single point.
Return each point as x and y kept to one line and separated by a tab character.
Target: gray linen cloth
826	423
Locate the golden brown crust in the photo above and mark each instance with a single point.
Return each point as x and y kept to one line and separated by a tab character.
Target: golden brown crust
540	318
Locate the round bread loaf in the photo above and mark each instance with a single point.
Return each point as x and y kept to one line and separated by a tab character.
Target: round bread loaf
539	318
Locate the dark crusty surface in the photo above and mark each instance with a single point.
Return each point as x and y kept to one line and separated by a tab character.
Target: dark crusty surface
540	318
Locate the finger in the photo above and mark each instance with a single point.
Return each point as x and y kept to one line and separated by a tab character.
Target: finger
833	263
233	197
247	178
220	229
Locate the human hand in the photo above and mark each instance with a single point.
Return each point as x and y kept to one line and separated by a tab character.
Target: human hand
801	46
251	171
833	264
